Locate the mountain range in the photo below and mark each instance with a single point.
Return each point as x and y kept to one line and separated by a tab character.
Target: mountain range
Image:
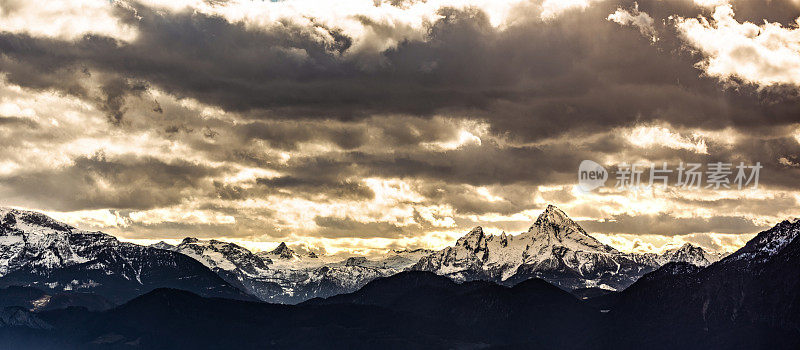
749	299
556	249
37	251
284	276
40	252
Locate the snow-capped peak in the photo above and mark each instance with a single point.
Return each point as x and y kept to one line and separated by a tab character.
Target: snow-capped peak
554	221
473	241
689	253
163	245
43	252
411	251
223	255
284	252
554	228
768	243
555	248
33	239
553	216
17	221
190	240
686	248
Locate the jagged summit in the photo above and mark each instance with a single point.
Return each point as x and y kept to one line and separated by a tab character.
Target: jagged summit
17	221
553	216
474	240
40	251
189	240
689	248
163	245
283	251
281	247
410	251
689	253
768	243
686	248
555	248
554	228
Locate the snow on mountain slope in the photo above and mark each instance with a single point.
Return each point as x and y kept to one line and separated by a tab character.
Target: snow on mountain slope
400	259
37	251
554	228
36	241
218	255
284	276
690	254
282	252
554	248
767	243
322	277
304	277
235	264
162	245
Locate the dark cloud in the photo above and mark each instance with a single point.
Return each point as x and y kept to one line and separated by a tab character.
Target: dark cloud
229	192
288	135
782	205
781	11
114	92
532	79
331	188
17	121
348	227
98	181
467	200
474	164
766	150
669	225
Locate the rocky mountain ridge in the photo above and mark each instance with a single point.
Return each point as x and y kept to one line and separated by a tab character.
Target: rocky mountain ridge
37	251
554	248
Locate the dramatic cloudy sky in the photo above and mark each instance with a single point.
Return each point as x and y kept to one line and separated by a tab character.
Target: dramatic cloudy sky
361	125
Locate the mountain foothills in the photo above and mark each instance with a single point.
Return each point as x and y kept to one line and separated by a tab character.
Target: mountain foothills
748	300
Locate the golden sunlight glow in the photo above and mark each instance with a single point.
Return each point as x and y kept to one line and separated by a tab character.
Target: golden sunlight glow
649	136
